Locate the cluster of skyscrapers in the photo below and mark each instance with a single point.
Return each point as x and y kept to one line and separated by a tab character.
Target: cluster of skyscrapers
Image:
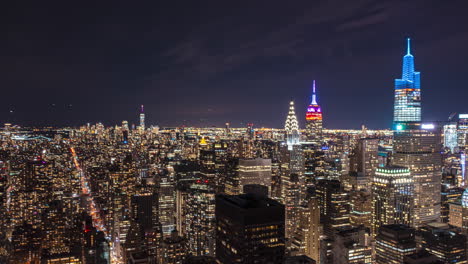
144	194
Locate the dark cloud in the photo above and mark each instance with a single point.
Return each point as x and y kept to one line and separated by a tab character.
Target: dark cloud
244	61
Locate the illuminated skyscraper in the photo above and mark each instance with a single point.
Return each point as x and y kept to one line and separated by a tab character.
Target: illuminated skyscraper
142	118
125	125
450	136
292	172
392	192
166	203
249	171
196	205
407	106
462	131
314	120
417	147
254	171
292	127
363	162
334	206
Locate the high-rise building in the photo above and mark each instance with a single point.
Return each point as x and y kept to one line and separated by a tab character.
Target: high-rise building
363	162
291	194
166	202
349	246
250	131
361	208
458	213
445	243
462	131
314	124
334	206
196	216
393	243
144	210
249	228
392	197
449	195
249	171
174	249
125	125
407	106
417	147
292	172
451	137
254	171
315	230
291	127
142	118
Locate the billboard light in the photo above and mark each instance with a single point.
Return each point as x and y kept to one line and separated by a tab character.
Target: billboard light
427	126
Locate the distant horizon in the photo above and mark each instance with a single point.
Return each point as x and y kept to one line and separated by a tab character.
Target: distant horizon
195	126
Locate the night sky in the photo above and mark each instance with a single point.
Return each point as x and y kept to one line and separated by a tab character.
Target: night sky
205	63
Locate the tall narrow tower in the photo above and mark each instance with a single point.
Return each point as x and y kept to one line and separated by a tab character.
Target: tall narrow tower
314	120
417	146
142	118
407	106
291	127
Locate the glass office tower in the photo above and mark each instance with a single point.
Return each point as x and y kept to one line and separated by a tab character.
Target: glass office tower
407	106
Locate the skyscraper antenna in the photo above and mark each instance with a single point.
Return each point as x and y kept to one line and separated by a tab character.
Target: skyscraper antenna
408	46
142	109
314	97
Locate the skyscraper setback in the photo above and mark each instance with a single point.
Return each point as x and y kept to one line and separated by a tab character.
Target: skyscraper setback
314	120
407	106
417	146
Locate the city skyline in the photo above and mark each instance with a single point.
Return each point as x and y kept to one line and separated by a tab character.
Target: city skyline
129	194
103	73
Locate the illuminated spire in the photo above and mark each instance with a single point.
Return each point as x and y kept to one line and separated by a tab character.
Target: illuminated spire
408	50
142	118
292	127
407	107
408	64
291	121
314	96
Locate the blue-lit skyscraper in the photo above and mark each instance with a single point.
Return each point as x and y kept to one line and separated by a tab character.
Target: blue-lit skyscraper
407	106
417	146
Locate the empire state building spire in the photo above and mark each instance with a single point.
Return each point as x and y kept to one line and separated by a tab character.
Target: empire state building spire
314	120
314	97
